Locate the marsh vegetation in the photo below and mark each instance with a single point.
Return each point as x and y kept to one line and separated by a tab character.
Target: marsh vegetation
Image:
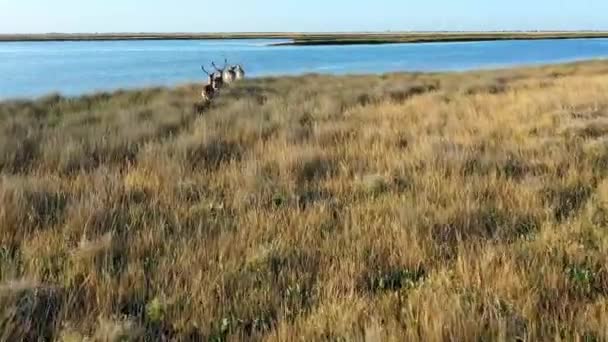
464	206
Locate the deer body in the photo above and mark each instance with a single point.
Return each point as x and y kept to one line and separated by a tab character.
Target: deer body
239	73
227	74
210	88
218	81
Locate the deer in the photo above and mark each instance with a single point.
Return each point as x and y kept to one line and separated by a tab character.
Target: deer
217	80
239	72
210	88
226	73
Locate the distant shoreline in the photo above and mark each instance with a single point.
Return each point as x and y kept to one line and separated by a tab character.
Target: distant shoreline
311	39
129	36
437	38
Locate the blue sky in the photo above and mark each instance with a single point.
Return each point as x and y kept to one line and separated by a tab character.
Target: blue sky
36	16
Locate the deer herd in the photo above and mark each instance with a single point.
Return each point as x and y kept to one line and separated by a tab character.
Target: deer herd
220	77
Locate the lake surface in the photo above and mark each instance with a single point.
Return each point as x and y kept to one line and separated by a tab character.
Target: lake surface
36	68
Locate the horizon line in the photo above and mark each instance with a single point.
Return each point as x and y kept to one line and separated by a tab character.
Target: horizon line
302	32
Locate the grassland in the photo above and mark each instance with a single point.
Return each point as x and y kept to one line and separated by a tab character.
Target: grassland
465	206
302	38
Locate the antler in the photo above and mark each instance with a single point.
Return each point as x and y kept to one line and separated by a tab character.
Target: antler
206	72
216	68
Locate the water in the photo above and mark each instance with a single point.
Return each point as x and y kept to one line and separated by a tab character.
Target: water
29	69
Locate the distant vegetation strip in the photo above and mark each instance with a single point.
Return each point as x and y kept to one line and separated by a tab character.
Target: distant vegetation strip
437	38
134	36
316	38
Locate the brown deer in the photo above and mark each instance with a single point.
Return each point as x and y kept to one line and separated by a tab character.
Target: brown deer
210	88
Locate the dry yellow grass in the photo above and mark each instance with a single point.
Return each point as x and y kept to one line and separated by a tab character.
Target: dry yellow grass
469	206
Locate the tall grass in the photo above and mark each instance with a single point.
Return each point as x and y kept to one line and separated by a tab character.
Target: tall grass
460	206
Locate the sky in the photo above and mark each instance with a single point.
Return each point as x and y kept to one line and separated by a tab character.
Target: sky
88	16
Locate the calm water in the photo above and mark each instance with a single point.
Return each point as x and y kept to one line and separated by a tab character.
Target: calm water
72	68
